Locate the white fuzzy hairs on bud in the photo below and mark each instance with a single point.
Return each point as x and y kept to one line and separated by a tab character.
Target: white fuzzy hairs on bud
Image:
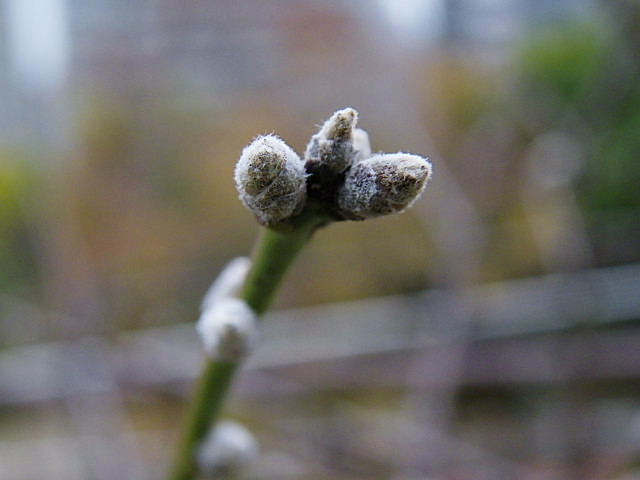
339	126
361	144
271	179
227	450
331	147
227	325
383	184
228	283
332	151
228	329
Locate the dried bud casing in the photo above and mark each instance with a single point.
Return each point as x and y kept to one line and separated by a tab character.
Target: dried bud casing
271	180
383	184
330	153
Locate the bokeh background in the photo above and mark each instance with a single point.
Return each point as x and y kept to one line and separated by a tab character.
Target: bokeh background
491	332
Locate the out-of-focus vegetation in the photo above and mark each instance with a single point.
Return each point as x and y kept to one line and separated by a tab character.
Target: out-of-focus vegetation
575	82
586	74
18	184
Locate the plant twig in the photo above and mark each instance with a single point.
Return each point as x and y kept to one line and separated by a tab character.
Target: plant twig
274	253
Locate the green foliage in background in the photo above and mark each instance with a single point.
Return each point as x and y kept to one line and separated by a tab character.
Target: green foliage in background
590	69
18	181
564	59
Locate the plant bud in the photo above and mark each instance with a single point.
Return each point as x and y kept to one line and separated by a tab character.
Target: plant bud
330	153
228	329
228	283
271	180
383	184
227	450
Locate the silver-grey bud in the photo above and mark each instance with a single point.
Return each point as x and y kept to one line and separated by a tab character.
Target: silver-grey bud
270	179
383	184
332	151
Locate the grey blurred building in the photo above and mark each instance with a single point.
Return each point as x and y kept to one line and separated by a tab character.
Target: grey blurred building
205	48
55	51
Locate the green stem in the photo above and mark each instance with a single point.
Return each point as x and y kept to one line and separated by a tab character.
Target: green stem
274	254
207	401
276	250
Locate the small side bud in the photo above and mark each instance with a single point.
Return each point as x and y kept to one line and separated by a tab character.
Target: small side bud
383	184
228	282
271	180
330	153
228	329
227	450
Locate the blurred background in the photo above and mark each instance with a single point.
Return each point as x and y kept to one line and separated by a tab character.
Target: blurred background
491	332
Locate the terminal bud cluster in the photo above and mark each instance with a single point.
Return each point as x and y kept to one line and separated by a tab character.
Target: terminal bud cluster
338	172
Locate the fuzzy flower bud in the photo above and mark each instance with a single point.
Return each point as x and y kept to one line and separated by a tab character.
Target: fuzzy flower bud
228	329
228	448
383	184
228	283
270	178
331	152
